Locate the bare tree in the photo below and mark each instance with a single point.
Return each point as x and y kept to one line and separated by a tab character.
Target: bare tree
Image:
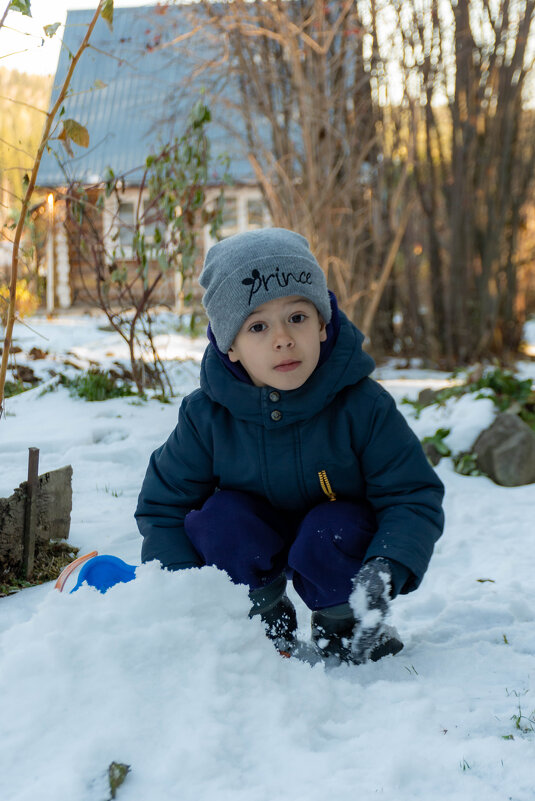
465	68
311	130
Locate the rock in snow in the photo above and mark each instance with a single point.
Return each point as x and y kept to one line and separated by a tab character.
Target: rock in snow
506	451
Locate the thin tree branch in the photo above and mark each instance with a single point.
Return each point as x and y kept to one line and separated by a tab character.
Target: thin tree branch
4	15
26	203
14	147
22	103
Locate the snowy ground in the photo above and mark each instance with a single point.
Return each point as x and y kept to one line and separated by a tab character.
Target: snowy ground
167	674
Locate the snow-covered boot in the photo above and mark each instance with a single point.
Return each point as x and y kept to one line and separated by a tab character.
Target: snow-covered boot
388	644
276	611
332	630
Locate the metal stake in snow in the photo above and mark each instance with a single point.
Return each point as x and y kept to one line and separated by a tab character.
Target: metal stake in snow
30	513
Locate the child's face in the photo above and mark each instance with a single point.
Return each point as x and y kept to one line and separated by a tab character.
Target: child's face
279	343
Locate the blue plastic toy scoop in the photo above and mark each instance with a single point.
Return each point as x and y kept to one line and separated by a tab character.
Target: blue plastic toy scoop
102	572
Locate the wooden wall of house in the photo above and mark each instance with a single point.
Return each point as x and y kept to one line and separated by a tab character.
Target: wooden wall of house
88	258
83	235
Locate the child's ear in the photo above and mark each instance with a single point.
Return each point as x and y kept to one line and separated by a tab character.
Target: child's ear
232	356
323	331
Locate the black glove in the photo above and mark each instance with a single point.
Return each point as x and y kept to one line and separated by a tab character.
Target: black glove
370	601
355	632
276	611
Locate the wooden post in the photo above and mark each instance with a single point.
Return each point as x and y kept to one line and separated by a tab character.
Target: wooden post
30	513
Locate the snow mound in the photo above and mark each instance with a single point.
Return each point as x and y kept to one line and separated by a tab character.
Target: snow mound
168	675
466	417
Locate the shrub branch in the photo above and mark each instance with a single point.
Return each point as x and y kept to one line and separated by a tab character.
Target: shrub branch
50	117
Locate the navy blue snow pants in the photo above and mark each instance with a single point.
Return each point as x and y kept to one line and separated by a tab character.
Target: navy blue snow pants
254	543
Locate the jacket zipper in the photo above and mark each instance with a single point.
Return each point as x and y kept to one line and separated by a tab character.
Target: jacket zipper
326	485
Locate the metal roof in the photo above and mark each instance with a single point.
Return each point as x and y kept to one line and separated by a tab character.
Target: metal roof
132	90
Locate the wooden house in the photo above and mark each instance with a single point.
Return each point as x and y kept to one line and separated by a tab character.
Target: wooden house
132	91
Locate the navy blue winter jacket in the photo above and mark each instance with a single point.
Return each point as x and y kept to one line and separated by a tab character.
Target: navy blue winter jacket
340	424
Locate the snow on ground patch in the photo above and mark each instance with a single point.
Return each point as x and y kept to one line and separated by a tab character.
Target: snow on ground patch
168	675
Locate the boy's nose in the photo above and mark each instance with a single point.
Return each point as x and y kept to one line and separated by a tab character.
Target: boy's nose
282	339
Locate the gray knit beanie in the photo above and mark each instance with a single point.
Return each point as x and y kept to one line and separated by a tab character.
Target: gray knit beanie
246	270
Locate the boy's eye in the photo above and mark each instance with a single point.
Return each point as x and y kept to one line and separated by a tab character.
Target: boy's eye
256	328
297	318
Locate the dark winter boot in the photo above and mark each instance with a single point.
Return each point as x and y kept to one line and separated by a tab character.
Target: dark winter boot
276	611
388	644
332	630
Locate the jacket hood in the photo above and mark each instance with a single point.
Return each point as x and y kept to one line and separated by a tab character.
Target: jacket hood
342	364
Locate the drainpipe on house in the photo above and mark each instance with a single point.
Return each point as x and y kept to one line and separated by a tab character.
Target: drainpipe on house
50	266
61	253
179	293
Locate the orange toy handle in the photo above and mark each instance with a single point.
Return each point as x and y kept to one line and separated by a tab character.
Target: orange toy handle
66	572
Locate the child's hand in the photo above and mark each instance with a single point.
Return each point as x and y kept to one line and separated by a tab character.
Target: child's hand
370	601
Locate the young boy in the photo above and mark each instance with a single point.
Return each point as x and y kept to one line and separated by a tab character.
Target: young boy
289	461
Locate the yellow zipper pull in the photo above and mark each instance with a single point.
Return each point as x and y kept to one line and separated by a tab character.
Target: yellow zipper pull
326	486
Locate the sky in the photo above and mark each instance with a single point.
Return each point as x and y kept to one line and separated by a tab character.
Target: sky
23	43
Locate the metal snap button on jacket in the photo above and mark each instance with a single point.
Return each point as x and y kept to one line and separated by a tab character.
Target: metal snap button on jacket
274	396
276	415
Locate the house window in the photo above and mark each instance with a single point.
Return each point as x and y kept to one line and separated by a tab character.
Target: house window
255	213
149	220
243	210
126	224
230	217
